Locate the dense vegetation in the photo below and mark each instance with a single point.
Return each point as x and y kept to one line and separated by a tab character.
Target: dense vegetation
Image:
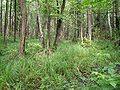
59	45
71	67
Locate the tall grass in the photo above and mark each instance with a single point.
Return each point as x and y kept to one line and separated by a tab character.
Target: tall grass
68	68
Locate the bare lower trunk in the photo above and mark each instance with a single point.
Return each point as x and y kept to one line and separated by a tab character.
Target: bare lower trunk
89	25
59	22
15	20
1	18
6	23
23	27
81	32
10	18
109	22
67	33
48	31
117	14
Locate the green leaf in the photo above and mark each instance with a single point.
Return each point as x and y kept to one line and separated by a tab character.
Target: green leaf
113	83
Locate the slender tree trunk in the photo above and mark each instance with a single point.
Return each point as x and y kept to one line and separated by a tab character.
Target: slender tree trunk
20	24
78	24
37	29
12	26
75	32
15	19
117	14
6	22
113	16
19	19
28	14
109	22
41	34
10	19
67	31
1	17
48	31
89	25
58	26
81	32
59	22
55	23
48	24
23	27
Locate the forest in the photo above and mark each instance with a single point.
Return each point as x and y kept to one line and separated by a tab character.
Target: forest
59	44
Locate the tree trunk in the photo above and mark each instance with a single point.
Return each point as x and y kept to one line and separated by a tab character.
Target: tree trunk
117	14
38	28
59	22
89	25
23	27
48	31
6	22
109	22
75	25
1	17
15	20
67	32
78	25
10	18
113	16
81	32
41	32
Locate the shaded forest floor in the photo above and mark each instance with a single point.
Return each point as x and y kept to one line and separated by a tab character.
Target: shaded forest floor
71	67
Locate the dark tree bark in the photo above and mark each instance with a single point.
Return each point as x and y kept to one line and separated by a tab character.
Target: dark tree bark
10	19
15	19
113	16
1	17
67	32
48	31
117	14
59	22
44	27
38	27
19	27
23	27
12	27
6	22
18	19
78	30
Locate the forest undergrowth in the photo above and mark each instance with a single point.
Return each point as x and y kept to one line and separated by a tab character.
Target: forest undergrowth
73	66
